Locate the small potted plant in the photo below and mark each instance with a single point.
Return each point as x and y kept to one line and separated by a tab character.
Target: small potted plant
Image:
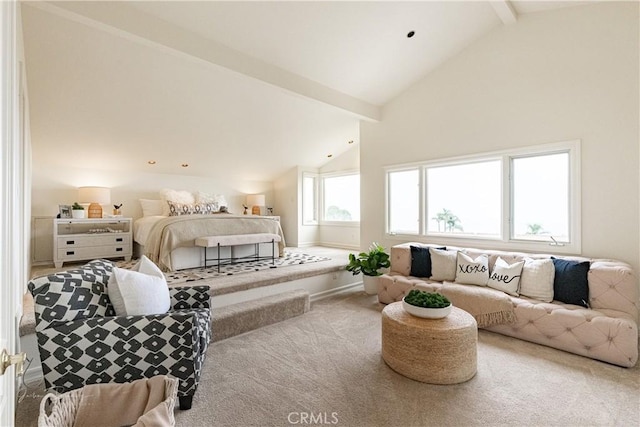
429	305
77	211
369	264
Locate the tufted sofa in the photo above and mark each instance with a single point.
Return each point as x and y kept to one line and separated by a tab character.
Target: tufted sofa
607	330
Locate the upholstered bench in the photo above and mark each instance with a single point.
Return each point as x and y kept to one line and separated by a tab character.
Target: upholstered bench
237	240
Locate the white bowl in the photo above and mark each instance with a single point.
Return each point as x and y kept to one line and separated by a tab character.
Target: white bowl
426	313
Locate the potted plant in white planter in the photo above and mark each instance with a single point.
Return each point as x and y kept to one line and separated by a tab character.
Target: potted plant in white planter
369	264
77	211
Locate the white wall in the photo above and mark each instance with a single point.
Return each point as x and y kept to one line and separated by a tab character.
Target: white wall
552	76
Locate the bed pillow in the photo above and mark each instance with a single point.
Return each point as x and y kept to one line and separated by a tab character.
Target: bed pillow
175	196
443	265
210	198
178	209
471	271
570	284
537	279
505	277
152	207
421	261
142	290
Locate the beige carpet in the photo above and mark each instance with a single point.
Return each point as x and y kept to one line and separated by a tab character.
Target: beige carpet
327	365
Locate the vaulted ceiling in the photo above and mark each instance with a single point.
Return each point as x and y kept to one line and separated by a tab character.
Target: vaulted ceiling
233	89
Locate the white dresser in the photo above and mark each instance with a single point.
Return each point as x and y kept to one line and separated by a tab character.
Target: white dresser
86	239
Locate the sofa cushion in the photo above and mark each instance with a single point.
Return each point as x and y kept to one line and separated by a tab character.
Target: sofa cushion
506	277
421	261
443	264
471	271
570	284
537	279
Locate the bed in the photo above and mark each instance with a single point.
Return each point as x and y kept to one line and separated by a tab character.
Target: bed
169	241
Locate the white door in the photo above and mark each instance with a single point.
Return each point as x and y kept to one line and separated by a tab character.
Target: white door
14	205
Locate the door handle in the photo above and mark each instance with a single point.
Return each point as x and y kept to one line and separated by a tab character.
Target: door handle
7	360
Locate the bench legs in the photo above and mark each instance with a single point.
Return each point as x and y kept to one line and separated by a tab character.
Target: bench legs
232	260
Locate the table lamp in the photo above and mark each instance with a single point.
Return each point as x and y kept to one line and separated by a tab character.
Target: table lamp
96	196
256	201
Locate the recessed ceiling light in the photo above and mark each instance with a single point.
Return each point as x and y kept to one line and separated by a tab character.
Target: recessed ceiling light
350	142
329	155
185	165
152	162
411	34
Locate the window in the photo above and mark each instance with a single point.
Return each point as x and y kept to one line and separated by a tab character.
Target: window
521	198
341	197
404	201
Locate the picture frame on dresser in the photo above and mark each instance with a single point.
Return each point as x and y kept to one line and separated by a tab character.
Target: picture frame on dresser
65	211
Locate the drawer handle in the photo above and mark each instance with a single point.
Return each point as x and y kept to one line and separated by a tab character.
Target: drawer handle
71	242
71	252
118	249
119	239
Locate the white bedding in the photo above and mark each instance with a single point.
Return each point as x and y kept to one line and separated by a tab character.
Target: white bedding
142	227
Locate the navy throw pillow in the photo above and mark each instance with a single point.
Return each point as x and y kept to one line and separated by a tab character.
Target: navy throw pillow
570	284
421	261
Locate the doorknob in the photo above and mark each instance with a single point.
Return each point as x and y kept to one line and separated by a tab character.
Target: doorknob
7	360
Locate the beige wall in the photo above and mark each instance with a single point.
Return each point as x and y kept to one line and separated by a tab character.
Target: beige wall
553	76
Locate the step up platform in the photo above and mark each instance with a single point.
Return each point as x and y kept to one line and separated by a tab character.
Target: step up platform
243	317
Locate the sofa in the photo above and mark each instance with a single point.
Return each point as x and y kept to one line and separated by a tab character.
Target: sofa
602	325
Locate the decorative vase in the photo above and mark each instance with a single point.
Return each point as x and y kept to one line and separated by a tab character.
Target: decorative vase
426	313
77	213
370	284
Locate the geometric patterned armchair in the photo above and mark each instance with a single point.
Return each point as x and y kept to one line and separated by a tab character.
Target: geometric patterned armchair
81	340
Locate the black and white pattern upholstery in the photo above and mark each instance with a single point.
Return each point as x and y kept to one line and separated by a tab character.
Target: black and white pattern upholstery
82	341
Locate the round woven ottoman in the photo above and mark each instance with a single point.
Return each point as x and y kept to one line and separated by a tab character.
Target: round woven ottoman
435	351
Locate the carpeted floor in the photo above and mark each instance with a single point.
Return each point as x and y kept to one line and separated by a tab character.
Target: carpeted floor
326	366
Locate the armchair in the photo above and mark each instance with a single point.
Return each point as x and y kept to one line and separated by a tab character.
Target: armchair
81	340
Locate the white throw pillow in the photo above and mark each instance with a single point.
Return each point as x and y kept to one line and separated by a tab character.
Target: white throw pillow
152	207
177	196
505	277
471	271
139	291
537	279
211	198
443	264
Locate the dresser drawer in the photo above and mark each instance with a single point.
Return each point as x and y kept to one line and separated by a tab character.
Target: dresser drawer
79	253
94	240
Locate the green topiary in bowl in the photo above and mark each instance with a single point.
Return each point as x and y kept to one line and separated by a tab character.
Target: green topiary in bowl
426	299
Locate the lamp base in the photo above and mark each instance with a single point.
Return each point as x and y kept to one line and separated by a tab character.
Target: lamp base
255	210
95	211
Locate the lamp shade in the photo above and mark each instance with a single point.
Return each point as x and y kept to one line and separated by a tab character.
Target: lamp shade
256	200
99	195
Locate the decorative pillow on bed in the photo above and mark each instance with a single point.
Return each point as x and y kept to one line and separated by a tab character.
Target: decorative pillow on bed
443	265
178	209
152	207
140	291
211	198
506	277
176	196
471	271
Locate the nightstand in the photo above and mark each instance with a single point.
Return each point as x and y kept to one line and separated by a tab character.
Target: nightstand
86	239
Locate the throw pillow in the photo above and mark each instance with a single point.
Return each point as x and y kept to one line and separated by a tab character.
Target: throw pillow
140	291
151	207
175	196
505	277
537	279
471	271
178	209
210	198
570	284
443	264
421	261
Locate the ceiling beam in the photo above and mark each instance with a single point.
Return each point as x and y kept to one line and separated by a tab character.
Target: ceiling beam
505	11
125	21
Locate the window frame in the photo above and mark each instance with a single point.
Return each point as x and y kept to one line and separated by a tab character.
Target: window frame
321	198
314	196
504	240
